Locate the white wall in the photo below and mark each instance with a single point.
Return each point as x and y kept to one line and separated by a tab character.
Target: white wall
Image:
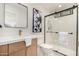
13	32
30	15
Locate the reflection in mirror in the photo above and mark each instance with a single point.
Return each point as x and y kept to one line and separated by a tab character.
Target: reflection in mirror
15	15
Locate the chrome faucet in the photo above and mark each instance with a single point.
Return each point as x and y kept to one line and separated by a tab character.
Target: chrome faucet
20	32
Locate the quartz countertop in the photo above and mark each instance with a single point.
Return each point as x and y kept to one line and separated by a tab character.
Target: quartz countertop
9	40
6	40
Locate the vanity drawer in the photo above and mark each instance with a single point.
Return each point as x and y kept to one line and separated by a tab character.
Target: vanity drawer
3	50
18	53
16	46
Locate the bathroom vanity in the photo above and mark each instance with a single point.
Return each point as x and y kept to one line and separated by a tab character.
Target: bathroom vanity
32	50
18	48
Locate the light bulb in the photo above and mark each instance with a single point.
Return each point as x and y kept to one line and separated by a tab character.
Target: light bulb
59	5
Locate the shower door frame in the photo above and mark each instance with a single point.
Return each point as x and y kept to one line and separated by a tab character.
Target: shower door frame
76	25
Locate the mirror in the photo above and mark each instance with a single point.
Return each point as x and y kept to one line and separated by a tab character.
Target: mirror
15	15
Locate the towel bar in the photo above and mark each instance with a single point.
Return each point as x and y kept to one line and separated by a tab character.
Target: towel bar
57	32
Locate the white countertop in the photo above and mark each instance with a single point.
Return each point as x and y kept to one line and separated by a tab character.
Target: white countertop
5	40
8	40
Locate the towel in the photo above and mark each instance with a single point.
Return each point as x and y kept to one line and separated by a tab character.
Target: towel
63	38
28	41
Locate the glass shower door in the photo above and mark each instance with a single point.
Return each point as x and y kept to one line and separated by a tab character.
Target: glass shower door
61	33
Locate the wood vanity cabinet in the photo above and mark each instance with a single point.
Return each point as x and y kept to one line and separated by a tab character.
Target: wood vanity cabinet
17	49
32	50
3	50
13	49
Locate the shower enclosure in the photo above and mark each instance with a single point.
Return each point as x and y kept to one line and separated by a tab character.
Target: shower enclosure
61	31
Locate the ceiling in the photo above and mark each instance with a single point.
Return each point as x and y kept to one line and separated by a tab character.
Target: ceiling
51	7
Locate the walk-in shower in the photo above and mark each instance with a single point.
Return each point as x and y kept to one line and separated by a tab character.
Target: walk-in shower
61	31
